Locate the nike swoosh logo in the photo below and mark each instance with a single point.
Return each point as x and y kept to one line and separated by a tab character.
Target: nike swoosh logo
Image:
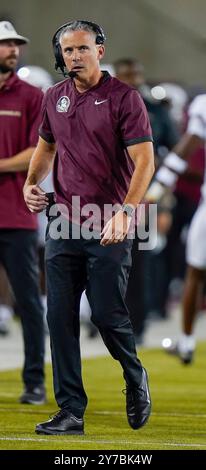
99	102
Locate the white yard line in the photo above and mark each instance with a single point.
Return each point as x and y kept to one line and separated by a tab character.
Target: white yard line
173	415
40	410
99	441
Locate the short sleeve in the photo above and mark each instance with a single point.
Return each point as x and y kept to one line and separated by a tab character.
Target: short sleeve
197	117
45	129
34	116
134	121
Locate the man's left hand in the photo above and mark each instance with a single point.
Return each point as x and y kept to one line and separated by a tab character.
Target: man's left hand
115	229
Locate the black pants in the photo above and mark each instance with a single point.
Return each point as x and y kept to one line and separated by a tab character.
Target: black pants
72	266
135	298
19	256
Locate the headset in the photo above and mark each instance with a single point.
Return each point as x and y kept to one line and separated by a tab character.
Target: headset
60	64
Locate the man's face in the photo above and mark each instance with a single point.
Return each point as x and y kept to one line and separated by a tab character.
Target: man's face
132	74
9	54
80	53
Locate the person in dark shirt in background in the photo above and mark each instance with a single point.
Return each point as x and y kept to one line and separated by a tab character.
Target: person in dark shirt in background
146	292
164	131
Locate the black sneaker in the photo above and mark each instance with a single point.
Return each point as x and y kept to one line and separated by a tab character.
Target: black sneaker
63	422
33	395
138	403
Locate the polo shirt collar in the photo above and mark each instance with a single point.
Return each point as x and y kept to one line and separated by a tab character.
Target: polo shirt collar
105	76
11	81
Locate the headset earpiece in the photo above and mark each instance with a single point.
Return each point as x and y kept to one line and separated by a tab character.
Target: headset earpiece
57	51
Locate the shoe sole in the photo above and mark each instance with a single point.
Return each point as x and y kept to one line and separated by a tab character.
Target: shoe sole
63	433
143	424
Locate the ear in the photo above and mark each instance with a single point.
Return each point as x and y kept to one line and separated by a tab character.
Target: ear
101	52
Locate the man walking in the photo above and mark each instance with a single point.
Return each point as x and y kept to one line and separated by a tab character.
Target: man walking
100	129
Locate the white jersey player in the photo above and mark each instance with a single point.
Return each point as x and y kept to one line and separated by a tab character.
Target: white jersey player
174	164
196	243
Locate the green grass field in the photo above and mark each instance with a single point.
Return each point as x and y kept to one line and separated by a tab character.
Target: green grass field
178	419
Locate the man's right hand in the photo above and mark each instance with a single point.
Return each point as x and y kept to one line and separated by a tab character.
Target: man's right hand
35	198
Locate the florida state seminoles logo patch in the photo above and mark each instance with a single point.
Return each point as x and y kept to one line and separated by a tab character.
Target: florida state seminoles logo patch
63	104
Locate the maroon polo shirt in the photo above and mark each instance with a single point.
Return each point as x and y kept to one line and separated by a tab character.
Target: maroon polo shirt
20	105
92	131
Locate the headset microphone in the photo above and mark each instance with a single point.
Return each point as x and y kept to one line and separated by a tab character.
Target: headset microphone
72	74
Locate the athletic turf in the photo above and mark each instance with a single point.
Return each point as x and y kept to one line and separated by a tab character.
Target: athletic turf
178	419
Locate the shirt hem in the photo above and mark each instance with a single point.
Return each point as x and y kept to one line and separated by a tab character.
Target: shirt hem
138	140
45	137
